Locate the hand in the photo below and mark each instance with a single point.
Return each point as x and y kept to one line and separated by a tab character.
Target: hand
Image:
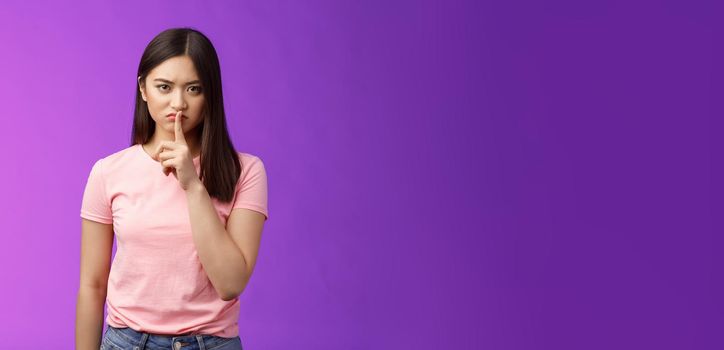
175	157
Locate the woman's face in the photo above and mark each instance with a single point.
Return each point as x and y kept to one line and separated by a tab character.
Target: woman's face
170	87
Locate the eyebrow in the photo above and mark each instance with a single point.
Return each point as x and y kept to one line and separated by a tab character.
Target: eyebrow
170	82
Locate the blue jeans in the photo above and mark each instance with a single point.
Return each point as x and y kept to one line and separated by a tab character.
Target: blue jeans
130	339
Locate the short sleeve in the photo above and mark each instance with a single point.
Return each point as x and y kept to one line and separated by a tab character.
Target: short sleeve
251	189
95	205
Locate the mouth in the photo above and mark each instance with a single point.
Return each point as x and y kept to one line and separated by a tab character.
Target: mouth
172	116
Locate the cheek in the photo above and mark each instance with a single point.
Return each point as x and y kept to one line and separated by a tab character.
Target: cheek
199	114
156	106
194	123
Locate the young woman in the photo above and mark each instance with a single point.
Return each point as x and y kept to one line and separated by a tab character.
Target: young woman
187	210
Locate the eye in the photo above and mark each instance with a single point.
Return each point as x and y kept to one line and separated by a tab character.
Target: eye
160	87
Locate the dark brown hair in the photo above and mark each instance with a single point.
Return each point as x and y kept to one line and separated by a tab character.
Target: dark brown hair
219	163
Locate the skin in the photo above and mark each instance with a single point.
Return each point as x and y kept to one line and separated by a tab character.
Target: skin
176	158
227	253
179	94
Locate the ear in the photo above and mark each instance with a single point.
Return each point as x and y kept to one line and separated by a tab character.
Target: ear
142	88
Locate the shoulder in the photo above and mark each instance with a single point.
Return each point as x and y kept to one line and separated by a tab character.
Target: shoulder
252	168
116	159
249	160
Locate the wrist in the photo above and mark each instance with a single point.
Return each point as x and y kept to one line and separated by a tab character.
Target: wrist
196	187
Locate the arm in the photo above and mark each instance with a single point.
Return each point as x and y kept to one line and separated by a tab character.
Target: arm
95	262
228	255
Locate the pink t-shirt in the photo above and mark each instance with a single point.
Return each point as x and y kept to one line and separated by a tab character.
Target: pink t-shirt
157	283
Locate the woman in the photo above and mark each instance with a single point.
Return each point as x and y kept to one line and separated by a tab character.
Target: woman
186	244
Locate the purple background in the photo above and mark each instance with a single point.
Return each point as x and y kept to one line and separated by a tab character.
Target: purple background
442	175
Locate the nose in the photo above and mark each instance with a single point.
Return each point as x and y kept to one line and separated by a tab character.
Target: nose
177	100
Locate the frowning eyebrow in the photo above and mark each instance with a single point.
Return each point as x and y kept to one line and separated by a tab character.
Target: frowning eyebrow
170	82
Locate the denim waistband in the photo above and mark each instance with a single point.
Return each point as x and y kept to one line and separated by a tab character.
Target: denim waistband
148	341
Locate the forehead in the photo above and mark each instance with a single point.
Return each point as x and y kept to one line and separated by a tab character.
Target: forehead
178	69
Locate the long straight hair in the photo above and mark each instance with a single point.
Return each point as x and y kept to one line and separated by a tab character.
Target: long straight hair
219	163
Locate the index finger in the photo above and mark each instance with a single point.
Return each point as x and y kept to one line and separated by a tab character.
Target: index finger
178	129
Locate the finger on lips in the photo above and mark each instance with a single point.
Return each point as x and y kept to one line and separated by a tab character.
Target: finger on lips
178	129
171	145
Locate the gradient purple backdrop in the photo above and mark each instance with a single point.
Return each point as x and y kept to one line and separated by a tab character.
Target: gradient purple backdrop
442	174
